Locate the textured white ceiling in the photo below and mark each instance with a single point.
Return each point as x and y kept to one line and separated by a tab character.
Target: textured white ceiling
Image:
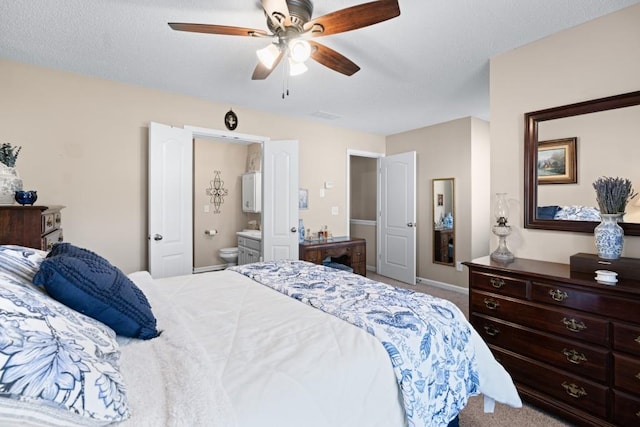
429	65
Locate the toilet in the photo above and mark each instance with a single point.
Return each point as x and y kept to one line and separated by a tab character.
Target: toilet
229	255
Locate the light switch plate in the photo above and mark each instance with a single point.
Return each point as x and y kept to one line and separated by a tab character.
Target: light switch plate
334	210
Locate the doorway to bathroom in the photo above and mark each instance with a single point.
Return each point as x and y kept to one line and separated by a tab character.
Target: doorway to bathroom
171	196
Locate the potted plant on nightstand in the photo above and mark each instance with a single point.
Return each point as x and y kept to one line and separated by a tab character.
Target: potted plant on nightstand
612	195
10	182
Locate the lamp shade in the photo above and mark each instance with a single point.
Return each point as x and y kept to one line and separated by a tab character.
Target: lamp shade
268	55
299	50
296	68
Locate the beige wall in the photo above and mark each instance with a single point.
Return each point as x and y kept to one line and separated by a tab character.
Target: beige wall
364	187
444	151
230	159
85	146
597	59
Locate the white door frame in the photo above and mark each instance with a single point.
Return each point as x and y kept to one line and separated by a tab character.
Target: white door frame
373	155
206	133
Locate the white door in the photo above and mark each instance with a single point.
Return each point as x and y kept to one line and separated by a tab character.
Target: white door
398	217
170	201
280	200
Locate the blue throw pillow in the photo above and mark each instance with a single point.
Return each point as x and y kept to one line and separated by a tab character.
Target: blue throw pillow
91	285
547	212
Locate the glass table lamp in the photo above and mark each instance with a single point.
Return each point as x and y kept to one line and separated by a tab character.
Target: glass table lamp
501	229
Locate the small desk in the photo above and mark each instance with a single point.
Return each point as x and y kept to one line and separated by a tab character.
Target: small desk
350	252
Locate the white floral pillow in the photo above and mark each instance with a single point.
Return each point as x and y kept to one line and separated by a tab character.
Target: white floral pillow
20	262
57	366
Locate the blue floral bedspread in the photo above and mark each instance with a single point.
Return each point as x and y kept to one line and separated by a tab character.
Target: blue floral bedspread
427	338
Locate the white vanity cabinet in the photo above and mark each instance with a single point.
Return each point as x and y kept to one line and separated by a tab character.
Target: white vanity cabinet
249	248
252	192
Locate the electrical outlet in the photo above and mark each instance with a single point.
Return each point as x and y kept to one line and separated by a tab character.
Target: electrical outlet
322	192
206	208
459	265
334	210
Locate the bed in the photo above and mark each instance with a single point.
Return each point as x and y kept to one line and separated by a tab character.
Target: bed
569	213
268	344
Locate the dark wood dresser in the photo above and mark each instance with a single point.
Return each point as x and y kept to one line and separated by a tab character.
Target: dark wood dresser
37	227
571	344
441	240
343	250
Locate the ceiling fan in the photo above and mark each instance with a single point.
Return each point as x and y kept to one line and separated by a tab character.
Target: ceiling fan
291	28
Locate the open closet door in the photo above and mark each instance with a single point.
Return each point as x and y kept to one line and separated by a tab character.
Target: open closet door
398	217
280	200
170	201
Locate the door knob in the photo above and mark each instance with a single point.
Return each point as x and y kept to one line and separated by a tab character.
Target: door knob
157	237
293	229
411	224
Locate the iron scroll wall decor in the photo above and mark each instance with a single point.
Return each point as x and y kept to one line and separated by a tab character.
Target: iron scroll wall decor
217	192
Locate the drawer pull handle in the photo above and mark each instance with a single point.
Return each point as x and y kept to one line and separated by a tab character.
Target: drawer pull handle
491	330
491	304
558	295
497	283
574	357
574	325
638	414
574	391
637	339
49	222
637	376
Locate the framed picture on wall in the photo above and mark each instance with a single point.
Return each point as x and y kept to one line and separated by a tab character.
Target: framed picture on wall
557	161
303	199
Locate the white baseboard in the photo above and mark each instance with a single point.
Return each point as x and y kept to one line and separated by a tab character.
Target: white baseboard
209	268
442	285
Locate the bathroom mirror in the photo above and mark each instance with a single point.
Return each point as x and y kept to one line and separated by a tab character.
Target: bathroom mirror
605	131
443	221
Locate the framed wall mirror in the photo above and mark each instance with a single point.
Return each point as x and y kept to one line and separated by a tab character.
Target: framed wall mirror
605	132
443	221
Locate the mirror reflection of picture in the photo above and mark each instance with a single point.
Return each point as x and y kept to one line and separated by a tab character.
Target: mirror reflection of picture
440	199
557	161
303	199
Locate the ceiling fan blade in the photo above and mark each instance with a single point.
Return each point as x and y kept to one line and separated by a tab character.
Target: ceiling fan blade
332	59
352	18
275	8
218	29
261	72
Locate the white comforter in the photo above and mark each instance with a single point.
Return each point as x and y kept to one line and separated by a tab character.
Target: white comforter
236	353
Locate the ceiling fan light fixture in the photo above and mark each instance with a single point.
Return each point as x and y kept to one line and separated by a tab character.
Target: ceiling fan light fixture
268	55
299	50
296	68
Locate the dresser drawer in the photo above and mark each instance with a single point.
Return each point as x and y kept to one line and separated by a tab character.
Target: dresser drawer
50	221
578	392
249	243
499	284
51	239
626	338
572	356
568	323
626	409
312	256
626	373
592	302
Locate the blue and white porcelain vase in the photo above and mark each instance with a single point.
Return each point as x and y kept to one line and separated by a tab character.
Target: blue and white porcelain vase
609	236
10	182
300	230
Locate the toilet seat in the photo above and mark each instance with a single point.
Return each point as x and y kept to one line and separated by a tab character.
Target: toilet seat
228	250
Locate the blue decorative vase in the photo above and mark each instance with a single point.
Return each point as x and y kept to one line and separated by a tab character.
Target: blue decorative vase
609	236
300	230
26	197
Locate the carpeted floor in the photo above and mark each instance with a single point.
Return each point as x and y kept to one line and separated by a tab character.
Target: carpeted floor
473	414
